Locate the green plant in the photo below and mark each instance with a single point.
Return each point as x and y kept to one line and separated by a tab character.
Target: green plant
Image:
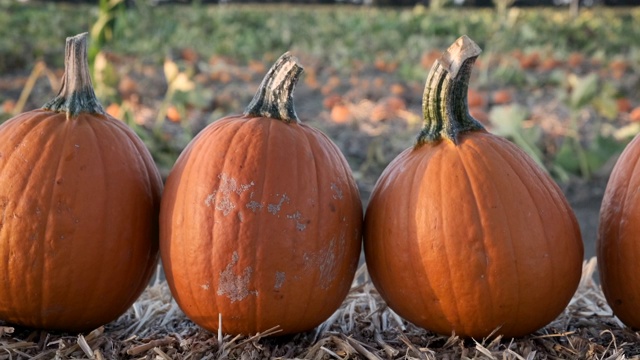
102	31
502	7
177	82
577	154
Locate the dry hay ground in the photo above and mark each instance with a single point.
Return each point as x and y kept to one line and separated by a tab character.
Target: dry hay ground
363	328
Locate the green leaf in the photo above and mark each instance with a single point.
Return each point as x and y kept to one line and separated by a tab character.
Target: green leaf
506	120
605	103
596	155
606	106
602	150
566	157
584	89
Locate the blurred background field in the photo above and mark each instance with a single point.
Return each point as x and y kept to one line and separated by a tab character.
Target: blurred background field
563	85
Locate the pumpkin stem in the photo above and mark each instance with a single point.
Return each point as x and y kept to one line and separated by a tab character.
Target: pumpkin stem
76	94
444	102
274	98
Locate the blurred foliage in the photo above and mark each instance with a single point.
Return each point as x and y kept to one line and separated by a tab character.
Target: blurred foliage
338	35
102	30
343	39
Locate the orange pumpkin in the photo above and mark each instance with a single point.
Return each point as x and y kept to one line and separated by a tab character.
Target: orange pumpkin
79	203
617	245
261	219
464	232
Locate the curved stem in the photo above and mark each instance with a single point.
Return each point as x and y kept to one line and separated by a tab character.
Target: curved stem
444	102
274	98
76	94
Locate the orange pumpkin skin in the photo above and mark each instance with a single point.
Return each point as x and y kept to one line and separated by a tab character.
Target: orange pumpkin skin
261	223
79	204
79	200
483	237
470	236
617	245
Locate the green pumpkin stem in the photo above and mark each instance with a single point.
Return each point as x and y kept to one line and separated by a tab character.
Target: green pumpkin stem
444	102
76	94
274	98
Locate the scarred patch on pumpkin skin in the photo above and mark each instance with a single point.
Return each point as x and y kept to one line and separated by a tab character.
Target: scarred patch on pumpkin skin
326	261
235	287
327	265
280	276
338	195
254	206
221	197
297	216
275	208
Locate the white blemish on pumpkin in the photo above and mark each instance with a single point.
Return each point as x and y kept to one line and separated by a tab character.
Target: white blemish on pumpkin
240	216
235	287
275	208
19	152
222	196
279	279
327	265
338	193
205	286
325	261
297	216
210	199
254	206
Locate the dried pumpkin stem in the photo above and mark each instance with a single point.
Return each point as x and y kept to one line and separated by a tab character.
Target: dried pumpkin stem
274	98
444	102
76	94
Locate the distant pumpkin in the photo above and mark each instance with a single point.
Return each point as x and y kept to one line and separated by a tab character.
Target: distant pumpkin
464	232
261	219
79	204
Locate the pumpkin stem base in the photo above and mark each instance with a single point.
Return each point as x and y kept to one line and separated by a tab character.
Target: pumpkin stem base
274	98
444	102
76	94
